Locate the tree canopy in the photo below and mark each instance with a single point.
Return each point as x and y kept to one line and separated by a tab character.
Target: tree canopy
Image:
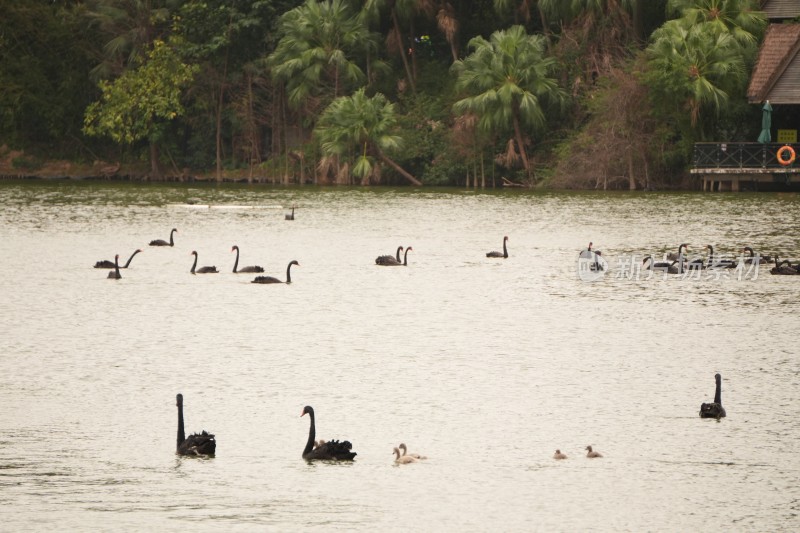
289	91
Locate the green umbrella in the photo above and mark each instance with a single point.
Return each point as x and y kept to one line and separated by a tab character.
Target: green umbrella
766	123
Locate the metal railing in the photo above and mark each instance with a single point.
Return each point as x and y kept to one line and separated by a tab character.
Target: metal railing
740	155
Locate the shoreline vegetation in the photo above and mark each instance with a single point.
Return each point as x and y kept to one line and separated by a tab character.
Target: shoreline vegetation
593	95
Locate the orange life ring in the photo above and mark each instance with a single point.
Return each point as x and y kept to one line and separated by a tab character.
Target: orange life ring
782	151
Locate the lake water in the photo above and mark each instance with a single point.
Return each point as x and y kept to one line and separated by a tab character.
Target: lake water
484	365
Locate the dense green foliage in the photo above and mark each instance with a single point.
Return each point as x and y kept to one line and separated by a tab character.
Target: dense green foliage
383	91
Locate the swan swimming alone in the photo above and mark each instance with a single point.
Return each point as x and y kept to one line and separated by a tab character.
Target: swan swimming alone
503	254
591	454
196	444
715	409
162	242
330	450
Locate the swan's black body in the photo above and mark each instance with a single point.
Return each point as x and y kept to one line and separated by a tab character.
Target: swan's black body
110	264
670	267
388	260
196	444
162	242
115	274
782	268
714	410
291	216
503	254
330	450
202	270
271	279
244	270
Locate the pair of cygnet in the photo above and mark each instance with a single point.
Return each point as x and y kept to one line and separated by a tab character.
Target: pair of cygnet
406	458
591	454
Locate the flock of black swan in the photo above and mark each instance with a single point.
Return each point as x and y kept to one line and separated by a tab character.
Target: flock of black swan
204	444
115	274
678	263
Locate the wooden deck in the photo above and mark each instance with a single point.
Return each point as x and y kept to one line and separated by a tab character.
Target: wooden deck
738	166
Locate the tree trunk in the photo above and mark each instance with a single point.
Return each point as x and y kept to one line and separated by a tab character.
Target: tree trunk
403	52
383	157
521	145
631	178
155	170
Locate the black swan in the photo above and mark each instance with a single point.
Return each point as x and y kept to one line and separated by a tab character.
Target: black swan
244	270
591	454
110	264
670	267
162	242
503	254
403	459
714	410
386	260
271	279
332	449
290	216
197	443
115	274
753	259
782	268
677	256
721	263
405	256
202	270
591	257
414	455
559	455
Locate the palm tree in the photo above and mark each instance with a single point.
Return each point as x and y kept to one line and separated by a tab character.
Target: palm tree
130	26
741	18
508	80
358	124
695	66
317	55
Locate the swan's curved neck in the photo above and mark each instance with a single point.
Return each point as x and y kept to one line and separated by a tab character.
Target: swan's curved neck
289	280
399	249
116	266
405	257
194	265
505	250
171	242
236	263
181	433
312	432
130	259
718	392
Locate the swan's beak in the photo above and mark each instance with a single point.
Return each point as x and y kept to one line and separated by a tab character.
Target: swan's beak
303	413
